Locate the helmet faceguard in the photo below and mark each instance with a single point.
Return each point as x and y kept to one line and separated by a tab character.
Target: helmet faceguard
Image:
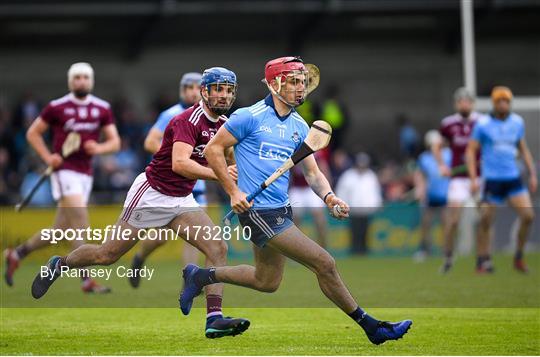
290	80
218	89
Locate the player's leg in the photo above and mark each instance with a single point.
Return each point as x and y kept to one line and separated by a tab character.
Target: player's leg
215	251
483	240
87	255
523	206
452	214
146	248
283	236
425	229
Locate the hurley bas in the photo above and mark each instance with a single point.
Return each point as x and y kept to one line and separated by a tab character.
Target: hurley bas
104	273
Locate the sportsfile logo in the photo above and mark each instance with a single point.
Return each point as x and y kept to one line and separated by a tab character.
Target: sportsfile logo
269	151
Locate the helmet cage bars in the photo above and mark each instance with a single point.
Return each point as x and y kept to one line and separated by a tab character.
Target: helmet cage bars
216	78
291	70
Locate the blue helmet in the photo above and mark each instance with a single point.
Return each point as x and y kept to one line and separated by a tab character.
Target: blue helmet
219	76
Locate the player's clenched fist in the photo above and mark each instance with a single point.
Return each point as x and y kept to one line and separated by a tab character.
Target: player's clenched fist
55	161
338	208
239	202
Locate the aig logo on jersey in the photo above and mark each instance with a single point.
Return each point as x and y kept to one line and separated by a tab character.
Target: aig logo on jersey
269	151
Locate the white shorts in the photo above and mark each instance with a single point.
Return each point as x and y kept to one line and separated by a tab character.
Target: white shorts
302	198
147	208
69	182
459	190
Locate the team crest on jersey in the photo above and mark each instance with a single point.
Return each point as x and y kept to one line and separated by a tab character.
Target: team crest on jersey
296	137
83	113
94	113
280	220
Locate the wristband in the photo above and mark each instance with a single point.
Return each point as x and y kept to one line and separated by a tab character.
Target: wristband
325	196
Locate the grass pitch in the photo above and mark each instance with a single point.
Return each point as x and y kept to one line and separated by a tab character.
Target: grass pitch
457	314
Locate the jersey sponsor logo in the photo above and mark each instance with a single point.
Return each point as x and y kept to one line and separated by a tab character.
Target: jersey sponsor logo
69	111
268	151
265	128
72	125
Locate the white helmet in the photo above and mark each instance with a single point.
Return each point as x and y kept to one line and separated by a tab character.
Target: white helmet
81	68
432	137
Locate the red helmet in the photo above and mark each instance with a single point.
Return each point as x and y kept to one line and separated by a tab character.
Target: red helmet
281	66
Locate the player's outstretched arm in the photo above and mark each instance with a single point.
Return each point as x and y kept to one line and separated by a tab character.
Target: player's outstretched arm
215	155
34	136
529	162
152	142
182	164
320	185
109	145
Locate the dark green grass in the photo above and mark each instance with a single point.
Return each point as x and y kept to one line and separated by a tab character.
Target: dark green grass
458	314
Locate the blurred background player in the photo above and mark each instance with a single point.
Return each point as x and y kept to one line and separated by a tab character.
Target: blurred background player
71	182
304	200
456	129
360	188
431	189
189	93
501	138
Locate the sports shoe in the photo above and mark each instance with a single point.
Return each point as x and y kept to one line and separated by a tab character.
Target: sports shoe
446	267
92	286
41	284
226	326
519	265
389	331
485	267
191	290
12	263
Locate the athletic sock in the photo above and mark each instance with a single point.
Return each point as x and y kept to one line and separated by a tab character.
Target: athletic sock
213	307
519	255
22	251
205	277
368	323
137	261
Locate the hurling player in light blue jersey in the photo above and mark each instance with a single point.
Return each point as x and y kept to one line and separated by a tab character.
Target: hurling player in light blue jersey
501	138
264	136
190	93
431	189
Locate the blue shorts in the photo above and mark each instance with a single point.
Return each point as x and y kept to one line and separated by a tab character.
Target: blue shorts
497	191
266	223
435	202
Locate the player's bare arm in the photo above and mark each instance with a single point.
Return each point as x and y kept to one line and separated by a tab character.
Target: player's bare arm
436	148
215	155
419	185
529	162
34	135
109	145
182	164
470	159
152	142
320	185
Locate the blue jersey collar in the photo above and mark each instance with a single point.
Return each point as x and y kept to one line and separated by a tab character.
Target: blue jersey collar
492	115
270	102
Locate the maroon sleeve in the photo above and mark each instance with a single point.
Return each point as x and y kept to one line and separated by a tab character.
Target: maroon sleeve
48	114
445	133
184	131
108	117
